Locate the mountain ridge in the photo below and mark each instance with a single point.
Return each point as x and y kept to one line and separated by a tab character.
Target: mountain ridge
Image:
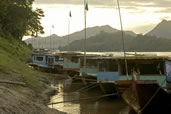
58	41
106	42
161	30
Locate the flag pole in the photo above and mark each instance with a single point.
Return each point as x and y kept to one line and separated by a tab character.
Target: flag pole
123	41
69	21
32	42
53	48
50	47
85	35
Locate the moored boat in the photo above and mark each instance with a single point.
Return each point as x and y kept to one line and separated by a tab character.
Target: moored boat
147	97
144	67
47	61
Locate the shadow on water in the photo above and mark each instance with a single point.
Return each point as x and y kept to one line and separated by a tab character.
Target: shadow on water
68	92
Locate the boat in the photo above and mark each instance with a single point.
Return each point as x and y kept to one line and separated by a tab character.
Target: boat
147	97
74	66
144	67
150	96
71	65
47	62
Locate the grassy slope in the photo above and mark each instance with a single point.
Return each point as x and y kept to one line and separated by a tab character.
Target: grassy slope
13	56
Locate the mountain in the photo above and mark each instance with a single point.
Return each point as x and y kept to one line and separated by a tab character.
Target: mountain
113	42
55	41
49	42
162	30
93	31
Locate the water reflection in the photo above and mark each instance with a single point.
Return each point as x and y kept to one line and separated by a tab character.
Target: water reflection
67	92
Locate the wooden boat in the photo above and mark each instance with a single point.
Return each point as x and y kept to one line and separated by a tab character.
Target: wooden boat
47	62
71	63
89	74
145	67
74	66
147	97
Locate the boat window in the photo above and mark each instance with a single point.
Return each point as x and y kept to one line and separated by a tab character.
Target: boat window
108	66
46	59
50	60
91	63
57	58
61	58
39	58
74	59
155	68
143	68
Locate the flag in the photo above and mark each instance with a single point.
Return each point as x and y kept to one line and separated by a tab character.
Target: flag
70	14
168	70
86	7
53	26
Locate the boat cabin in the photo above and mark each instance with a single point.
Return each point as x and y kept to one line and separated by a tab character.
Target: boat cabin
71	61
139	68
92	67
39	59
48	60
108	69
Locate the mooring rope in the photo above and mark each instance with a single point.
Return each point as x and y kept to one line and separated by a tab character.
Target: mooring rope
84	87
89	88
95	97
84	79
148	102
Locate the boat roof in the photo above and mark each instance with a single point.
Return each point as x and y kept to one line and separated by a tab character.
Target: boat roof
92	55
144	57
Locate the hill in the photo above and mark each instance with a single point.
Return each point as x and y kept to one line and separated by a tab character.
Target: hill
161	30
54	41
112	42
49	42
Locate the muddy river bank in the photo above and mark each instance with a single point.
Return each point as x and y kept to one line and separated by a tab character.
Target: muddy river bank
74	99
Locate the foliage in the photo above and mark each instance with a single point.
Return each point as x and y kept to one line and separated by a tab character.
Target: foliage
17	18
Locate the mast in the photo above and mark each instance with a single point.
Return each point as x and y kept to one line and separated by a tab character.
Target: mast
50	46
52	37
37	40
85	17
69	21
32	42
45	43
123	41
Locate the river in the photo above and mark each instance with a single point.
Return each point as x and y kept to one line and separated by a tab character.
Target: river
85	101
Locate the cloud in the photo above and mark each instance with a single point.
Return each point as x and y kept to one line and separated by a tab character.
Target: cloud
58	1
164	10
137	3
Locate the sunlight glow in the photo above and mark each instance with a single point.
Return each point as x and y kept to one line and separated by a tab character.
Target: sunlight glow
134	19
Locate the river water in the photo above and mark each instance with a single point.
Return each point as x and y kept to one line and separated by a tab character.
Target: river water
72	99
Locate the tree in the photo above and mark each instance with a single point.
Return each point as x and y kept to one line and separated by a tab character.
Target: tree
34	26
17	18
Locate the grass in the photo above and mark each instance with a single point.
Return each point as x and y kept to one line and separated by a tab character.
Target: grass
13	57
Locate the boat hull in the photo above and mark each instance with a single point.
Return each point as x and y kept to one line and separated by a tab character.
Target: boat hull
147	97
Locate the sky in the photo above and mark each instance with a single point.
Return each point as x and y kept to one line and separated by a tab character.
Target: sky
139	16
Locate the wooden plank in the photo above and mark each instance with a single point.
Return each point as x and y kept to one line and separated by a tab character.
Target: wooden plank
13	82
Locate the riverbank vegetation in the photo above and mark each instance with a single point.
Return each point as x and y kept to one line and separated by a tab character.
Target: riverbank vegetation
17	18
